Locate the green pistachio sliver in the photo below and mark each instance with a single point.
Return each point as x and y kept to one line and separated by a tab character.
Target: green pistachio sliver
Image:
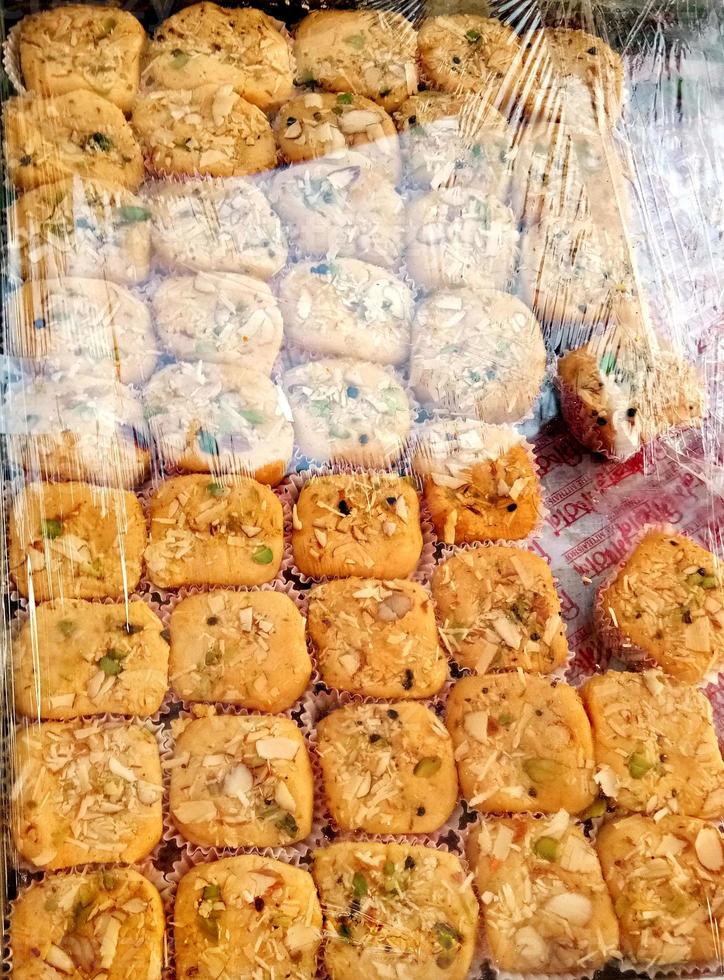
51	528
359	885
447	936
540	770
179	58
132	213
345	98
67	627
110	666
546	848
389	868
355	41
211	893
215	489
428	766
263	555
607	364
709	582
472	36
639	765
209	925
596	809
288	825
252	416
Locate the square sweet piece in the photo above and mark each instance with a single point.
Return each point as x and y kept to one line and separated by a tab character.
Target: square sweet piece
377	638
80	227
51	138
106	923
666	879
386	905
241	781
522	744
498	609
74	658
655	744
245	648
547	908
357	524
80	46
233	915
214	531
86	792
480	482
76	540
387	769
667	603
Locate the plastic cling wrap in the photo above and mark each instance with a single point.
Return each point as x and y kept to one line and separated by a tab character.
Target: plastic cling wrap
361	407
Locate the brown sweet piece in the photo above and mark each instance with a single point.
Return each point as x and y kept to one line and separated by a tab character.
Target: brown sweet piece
214	531
357	524
617	398
86	792
522	744
655	744
245	648
377	638
498	609
479	480
387	769
547	909
666	879
76	540
666	604
88	923
241	781
389	904
231	915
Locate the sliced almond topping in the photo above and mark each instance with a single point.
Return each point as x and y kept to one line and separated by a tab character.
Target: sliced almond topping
118	769
708	849
246	618
552	626
507	631
238	781
571	906
475	724
277	748
109	942
531	945
300	936
502	842
364	785
607	780
195	811
284	798
59	960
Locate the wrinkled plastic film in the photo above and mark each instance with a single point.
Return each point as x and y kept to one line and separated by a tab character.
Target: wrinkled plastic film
443	254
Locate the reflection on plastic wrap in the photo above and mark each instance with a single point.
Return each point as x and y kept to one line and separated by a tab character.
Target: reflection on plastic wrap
362	408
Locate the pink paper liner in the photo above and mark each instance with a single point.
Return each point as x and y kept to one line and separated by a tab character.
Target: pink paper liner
448	550
615	645
11	59
20	864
